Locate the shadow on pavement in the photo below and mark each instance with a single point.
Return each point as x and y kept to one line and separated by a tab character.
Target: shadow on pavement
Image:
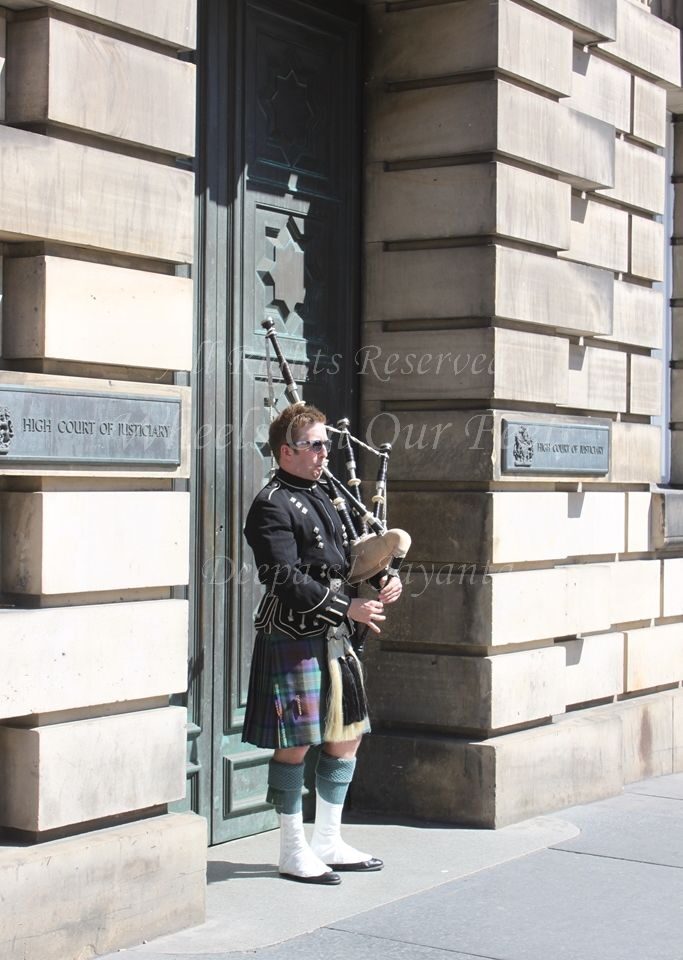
219	870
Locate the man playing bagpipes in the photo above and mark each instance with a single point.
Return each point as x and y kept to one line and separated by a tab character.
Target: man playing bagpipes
306	683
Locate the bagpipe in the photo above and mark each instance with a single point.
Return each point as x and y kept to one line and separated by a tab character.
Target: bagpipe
374	548
374	552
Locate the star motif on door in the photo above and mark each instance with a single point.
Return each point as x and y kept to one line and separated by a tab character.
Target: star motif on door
291	118
282	270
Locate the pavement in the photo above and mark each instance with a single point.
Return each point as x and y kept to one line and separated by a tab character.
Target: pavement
603	881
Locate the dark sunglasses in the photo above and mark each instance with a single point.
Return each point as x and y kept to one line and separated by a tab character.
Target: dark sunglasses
315	445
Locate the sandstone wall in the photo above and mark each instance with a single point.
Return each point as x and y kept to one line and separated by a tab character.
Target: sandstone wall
515	254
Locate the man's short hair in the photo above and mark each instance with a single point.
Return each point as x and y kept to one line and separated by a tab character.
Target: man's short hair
288	425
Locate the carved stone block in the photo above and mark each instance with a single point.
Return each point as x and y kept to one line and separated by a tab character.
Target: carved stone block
496	781
654	656
647	43
75	542
126	884
409	284
594	19
439	444
483	116
510	526
63	658
638	316
649	112
487	281
600	89
645	385
635	592
639	176
595	523
667	518
482	694
578	147
636	453
638	522
75	194
455	363
599	235
484	199
579	760
435	41
647	249
93	313
594	667
672	587
462	793
136	759
530	367
649	735
173	22
456	608
468	363
597	379
544	290
148	99
544	604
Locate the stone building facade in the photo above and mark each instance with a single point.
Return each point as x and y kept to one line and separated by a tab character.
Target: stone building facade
516	231
463	217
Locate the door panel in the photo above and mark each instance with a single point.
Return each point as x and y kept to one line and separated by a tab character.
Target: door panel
285	241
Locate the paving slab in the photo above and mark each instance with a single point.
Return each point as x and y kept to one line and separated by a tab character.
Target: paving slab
333	943
249	906
350	946
669	786
602	881
551	905
645	828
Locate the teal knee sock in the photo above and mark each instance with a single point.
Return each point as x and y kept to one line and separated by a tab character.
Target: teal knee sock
333	776
285	784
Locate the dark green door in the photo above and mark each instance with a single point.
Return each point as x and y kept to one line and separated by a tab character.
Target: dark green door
279	235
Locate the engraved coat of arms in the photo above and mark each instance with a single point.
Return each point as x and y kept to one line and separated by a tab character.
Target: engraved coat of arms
6	430
523	448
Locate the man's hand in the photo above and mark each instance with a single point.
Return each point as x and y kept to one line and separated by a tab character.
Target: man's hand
390	589
368	612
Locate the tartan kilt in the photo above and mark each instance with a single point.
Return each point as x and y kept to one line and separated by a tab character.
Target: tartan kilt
288	687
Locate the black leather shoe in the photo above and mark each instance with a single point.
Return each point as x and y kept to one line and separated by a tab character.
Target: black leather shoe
363	866
327	878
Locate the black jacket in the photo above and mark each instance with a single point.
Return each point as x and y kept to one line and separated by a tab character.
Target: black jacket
299	546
